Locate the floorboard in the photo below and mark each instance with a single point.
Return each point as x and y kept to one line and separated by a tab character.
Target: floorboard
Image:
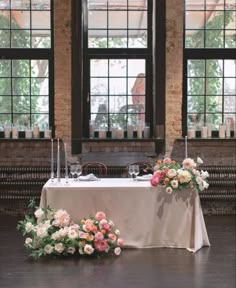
211	267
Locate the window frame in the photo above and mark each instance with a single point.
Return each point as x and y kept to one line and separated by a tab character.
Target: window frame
199	54
37	54
155	106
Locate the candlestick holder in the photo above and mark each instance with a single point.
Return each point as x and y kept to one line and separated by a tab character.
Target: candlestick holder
58	162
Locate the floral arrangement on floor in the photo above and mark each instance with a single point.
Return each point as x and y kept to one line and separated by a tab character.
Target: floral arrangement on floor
174	176
52	232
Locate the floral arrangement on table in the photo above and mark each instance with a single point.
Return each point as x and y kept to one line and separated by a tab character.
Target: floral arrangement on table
173	176
52	232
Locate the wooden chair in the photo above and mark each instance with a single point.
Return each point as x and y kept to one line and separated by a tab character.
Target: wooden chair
97	168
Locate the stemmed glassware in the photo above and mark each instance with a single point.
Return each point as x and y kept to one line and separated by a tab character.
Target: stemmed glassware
133	171
75	171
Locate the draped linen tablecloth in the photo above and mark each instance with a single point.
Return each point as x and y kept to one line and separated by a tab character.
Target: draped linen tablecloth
146	216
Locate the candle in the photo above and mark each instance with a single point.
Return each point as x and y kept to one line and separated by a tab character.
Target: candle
120	133
28	133
139	130
146	131
191	132
36	131
204	132
222	131
186	147
91	128
66	166
15	132
48	133
209	130
52	161
130	131
58	162
7	132
102	133
113	132
228	128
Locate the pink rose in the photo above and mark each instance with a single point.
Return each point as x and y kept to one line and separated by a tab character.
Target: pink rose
155	180
100	245
100	215
117	251
99	236
120	242
167	160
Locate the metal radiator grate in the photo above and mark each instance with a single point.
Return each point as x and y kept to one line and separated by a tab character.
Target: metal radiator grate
19	184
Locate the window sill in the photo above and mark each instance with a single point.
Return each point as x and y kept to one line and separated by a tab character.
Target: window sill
198	139
123	140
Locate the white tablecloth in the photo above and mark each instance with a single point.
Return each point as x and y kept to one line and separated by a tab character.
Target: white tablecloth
146	216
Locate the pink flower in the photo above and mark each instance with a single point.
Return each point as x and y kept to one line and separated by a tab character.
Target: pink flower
156	178
112	237
120	242
99	236
71	250
189	163
167	160
100	215
100	245
88	249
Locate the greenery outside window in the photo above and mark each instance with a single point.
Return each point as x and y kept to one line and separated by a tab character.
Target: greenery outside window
209	64
26	61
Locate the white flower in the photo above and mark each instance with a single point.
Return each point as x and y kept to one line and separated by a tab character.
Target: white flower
195	172
42	232
39	213
189	163
71	250
28	241
169	190
48	249
199	160
29	227
117	251
198	180
81	251
88	249
174	183
72	234
63	217
59	247
117	232
205	184
204	174
184	176
171	173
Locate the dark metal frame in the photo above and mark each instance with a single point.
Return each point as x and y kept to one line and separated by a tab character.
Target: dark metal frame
155	57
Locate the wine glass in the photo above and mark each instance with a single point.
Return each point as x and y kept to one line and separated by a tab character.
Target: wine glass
136	171
131	170
78	171
73	170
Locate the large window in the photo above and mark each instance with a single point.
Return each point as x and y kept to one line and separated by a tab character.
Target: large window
26	61
118	67
210	63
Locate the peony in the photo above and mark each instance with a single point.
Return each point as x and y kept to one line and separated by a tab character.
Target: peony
48	249
156	178
100	215
29	227
88	249
184	176
98	236
188	163
63	217
167	160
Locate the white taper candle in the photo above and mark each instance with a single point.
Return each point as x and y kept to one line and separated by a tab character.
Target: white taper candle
58	161
52	161
186	147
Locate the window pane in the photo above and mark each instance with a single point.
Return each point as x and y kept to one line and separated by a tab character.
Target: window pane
21	104
138	40
5	86
21	5
196	68
117	67
214	86
137	20
230	86
114	20
229	68
213	104
195	104
230	104
5	68
20	68
40	20
20	39
5	19
20	86
214	39
117	39
99	67
40	5
20	19
214	68
97	20
194	38
40	104
99	86
136	66
4	39
5	104
117	86
196	86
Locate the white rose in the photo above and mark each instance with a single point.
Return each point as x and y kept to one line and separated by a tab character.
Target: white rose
48	249
88	249
205	184
39	213
28	241
72	234
198	180
81	251
169	190
42	232
174	183
59	247
117	232
71	250
29	227
117	251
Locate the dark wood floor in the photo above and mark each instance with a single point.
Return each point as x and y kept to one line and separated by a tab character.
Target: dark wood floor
212	267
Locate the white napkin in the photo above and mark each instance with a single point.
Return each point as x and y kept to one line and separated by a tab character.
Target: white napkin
144	177
89	177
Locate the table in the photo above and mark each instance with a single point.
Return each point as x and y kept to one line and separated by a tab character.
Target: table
146	216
